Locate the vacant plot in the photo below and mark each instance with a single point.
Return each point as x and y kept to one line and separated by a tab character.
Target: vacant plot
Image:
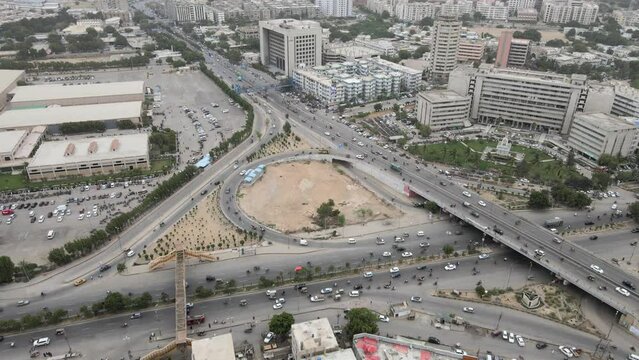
288	195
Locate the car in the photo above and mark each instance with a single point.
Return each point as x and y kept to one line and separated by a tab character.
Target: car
511	338
242	172
628	284
104	267
399	239
81	217
566	351
416	299
269	336
613	207
557	240
450	267
520	340
386	254
593	237
539	253
368	274
60	218
622	291
591	278
32	220
466	194
210	278
354	293
326	290
352	241
541	345
380	241
317	298
468	309
384	318
7	211
596	268
504	335
79	281
130	253
481	203
635	230
460	351
41	342
474	214
136	315
280	300
433	340
483	256
277	306
424	244
394	270
589	222
407	254
23	302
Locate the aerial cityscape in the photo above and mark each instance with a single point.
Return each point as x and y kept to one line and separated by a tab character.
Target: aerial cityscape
319	179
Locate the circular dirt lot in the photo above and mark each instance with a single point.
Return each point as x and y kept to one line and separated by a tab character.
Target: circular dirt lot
287	196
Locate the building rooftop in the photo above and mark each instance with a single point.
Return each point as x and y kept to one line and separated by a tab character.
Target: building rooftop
441	95
603	121
352	50
7	77
313	337
291	24
9	140
377	347
342	354
219	347
530	74
53	115
59	91
52	153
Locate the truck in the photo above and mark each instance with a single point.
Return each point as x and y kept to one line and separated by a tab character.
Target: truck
396	167
195	320
554	223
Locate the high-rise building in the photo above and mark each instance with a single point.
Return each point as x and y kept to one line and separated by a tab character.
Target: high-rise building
532	100
444	51
511	52
593	135
456	8
514	5
114	8
564	11
442	110
336	8
493	11
185	11
415	11
287	44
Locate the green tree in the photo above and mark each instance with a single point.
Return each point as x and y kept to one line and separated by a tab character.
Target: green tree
480	290
59	257
426	22
360	320
287	127
610	161
234	56
115	302
6	269
420	51
448	249
385	14
404	54
600	180
530	34
377	107
121	267
633	209
281	324
539	200
570	159
522	168
327	214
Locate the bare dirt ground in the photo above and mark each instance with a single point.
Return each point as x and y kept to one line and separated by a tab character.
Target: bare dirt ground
288	195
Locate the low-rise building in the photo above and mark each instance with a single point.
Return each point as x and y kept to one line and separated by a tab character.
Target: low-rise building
10	141
58	94
368	346
443	109
593	135
512	52
311	338
350	51
8	81
219	347
87	157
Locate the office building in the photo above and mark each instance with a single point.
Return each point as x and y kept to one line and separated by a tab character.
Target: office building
470	50
512	52
185	11
516	5
497	11
442	110
444	50
287	44
87	157
527	15
565	11
336	8
524	99
593	135
8	81
58	94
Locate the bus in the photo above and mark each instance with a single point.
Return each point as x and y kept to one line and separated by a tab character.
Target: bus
396	167
195	320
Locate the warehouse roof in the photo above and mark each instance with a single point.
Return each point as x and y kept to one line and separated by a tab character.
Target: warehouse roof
53	115
9	140
53	153
7	77
59	91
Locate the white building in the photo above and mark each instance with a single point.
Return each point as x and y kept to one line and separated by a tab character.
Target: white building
58	94
312	338
415	11
186	11
444	50
336	8
593	135
626	101
497	11
514	5
86	157
442	110
523	99
385	47
456	8
287	44
564	11
8	81
470	50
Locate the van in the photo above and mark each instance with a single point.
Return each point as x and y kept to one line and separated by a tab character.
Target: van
303	242
633	357
50	234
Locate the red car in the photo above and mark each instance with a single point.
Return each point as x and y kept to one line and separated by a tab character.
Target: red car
7	212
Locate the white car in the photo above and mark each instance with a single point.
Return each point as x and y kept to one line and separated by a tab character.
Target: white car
23	302
353	293
242	172
420	233
131	253
520	341
60	218
360	157
483	256
31	213
407	254
566	351
622	291
450	267
424	244
368	274
88	215
326	290
394	270
81	217
317	299
614	207
327	133
277	306
360	143
41	219
268	337
468	309
596	268
511	338
280	300
352	241
416	299
42	342
380	241
481	203
386	254
384	318
539	252
466	194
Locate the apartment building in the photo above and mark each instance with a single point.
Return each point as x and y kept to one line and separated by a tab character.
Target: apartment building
497	11
593	135
527	15
457	8
287	44
415	11
379	6
336	8
564	11
522	99
444	50
185	11
515	5
626	101
410	78
512	52
470	50
443	110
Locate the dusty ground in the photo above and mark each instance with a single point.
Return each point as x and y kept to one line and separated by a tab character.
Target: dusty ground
545	34
203	228
281	143
287	196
